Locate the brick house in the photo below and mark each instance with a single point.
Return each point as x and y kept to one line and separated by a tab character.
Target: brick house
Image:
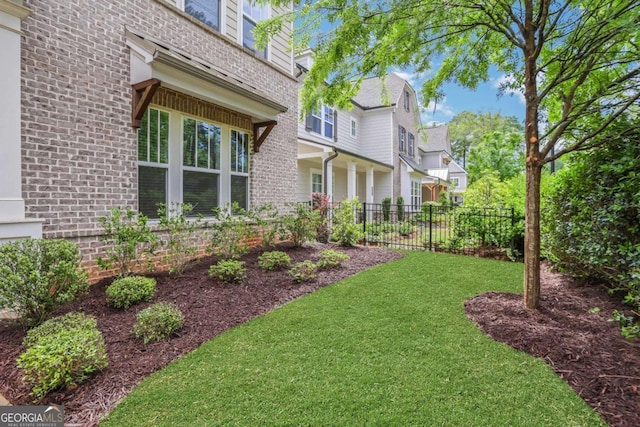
124	104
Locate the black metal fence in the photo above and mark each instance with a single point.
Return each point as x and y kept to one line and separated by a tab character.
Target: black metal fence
474	231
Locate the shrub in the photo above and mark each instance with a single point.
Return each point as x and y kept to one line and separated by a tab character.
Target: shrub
274	260
37	276
321	204
400	208
127	291
129	241
331	259
345	231
181	242
62	351
157	322
229	232
386	209
268	224
228	271
405	229
304	271
302	223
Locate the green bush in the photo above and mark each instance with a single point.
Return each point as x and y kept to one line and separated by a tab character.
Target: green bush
127	291
274	260
39	275
405	229
330	258
304	271
400	208
230	232
229	271
344	230
267	224
181	229
386	209
322	204
62	351
157	322
302	223
130	242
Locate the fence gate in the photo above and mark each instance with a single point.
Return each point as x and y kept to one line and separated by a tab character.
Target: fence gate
464	230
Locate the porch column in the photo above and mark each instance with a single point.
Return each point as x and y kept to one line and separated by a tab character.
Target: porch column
351	181
13	224
329	180
369	192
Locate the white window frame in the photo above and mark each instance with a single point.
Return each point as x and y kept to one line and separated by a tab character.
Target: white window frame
316	172
455	180
241	173
321	116
354	128
181	4
416	194
155	164
407	100
241	17
411	144
402	139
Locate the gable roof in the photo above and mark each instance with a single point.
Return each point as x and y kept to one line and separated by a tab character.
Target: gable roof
454	167
373	95
437	139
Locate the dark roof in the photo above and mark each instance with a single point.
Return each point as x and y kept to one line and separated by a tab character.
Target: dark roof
416	167
374	94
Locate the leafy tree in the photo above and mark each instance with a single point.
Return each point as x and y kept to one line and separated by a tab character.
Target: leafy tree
496	152
467	128
576	62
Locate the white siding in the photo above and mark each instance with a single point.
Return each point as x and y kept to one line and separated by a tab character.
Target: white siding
376	136
345	140
304	180
231	19
339	184
281	55
431	161
382	186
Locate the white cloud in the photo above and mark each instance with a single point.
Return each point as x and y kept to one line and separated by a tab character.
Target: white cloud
437	111
506	85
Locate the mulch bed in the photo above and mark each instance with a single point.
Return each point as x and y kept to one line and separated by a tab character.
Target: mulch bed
209	308
585	349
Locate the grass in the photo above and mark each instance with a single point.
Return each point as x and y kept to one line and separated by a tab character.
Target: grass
389	346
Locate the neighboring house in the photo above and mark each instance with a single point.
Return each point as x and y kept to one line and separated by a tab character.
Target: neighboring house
131	103
443	173
370	151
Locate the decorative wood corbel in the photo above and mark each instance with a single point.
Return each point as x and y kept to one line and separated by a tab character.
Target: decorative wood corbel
259	138
142	93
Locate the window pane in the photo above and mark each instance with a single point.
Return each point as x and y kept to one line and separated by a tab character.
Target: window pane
200	189
143	138
316	124
189	142
328	130
202	153
214	147
316	183
234	151
164	137
248	40
152	189
153	135
239	191
206	11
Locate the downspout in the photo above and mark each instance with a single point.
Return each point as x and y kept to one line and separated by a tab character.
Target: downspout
324	170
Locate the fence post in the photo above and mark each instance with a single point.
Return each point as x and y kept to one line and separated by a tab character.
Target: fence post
430	227
364	222
513	223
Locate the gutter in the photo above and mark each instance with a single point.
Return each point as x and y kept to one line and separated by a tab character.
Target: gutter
324	170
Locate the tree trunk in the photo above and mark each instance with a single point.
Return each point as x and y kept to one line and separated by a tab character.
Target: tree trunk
532	237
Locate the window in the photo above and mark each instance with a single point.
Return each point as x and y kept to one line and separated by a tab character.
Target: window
153	161
240	169
412	143
206	11
416	195
316	181
407	101
252	13
402	137
322	121
455	181
354	128
200	165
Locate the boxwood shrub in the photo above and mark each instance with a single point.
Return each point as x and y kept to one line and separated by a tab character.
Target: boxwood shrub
127	291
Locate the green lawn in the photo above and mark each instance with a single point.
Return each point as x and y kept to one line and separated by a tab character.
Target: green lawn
388	347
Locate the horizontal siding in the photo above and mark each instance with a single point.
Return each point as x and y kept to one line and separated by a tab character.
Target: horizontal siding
382	186
281	55
376	138
231	17
345	140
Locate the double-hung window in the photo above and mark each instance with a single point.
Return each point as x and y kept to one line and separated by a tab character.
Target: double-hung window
206	11
407	101
322	121
200	165
402	139
416	194
316	181
412	143
240	169
252	13
354	128
153	161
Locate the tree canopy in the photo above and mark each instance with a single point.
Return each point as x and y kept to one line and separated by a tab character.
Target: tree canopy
577	63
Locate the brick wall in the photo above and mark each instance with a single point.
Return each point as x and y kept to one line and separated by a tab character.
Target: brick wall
78	146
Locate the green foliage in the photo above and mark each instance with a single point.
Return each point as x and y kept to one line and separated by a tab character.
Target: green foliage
274	260
344	230
230	232
39	275
302	223
406	228
181	231
129	241
304	271
628	328
158	322
330	258
400	208
497	153
127	291
321	203
593	221
267	224
386	209
228	271
62	351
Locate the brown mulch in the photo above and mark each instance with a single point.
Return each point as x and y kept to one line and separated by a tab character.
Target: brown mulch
585	349
209	308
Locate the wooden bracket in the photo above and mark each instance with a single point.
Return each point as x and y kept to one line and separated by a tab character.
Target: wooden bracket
259	139
142	94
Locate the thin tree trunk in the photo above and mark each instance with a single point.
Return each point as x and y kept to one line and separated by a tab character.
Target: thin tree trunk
532	237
